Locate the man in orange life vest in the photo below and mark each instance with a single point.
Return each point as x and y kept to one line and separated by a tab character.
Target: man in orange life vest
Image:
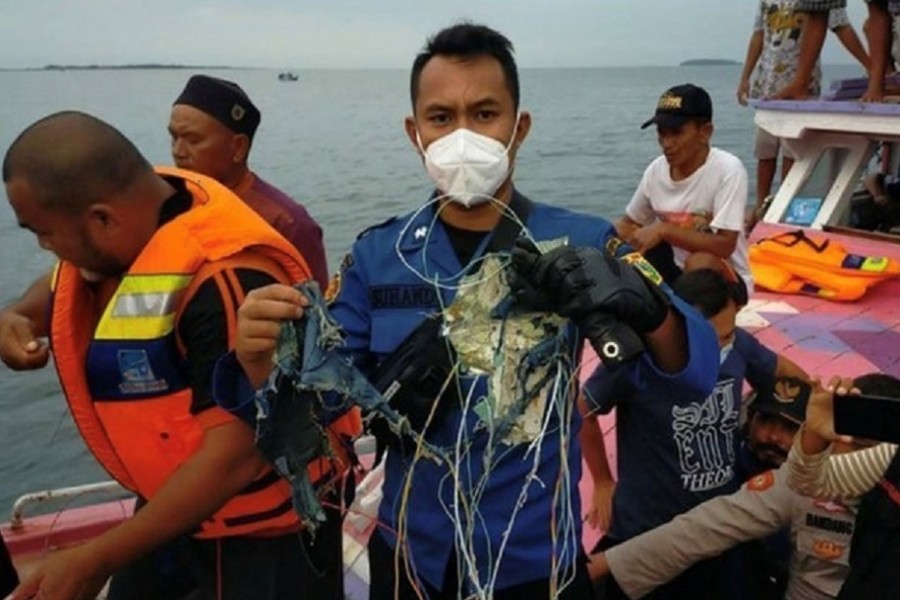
152	268
212	125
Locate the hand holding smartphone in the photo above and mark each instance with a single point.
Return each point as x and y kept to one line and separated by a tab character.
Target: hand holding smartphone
869	417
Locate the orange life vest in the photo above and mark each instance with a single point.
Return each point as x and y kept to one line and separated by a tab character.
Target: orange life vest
124	377
796	263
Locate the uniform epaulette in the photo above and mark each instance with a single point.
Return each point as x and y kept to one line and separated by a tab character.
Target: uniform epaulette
368	230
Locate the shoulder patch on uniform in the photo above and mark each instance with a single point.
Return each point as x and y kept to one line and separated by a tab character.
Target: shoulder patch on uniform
369	230
334	285
616	246
644	267
761	482
346	262
619	248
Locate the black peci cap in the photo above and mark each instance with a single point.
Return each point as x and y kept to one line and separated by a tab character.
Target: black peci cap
786	398
223	100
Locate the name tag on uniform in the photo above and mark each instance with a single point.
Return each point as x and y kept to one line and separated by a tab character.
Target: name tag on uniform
402	296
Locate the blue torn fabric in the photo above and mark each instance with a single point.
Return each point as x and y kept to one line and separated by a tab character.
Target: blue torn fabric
311	380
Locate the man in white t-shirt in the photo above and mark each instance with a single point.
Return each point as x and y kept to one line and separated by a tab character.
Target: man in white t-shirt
773	55
688	210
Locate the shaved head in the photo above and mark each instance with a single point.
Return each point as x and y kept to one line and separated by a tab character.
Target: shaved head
71	160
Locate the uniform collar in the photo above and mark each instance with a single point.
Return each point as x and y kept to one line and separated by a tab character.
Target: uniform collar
424	233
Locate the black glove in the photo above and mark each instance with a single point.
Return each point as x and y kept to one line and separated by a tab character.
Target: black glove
578	282
606	298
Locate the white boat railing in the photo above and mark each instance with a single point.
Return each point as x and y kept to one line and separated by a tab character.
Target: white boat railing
16	520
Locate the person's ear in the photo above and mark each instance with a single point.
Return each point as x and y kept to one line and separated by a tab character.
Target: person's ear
523	129
101	221
706	130
101	218
240	148
412	132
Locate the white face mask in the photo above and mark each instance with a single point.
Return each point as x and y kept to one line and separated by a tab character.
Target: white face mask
467	166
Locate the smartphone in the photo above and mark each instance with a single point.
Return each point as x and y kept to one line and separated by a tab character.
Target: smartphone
868	417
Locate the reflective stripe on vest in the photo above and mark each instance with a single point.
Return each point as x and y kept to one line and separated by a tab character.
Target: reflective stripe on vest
143	308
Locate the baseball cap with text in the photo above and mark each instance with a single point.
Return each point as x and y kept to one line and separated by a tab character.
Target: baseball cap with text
681	104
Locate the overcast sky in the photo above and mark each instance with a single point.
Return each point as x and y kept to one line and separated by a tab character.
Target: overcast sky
373	33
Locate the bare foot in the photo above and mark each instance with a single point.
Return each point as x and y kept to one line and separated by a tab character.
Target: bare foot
874	93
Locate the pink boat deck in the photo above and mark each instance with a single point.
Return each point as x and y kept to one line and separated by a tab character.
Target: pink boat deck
832	338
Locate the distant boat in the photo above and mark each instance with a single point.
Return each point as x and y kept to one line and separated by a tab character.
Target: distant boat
288	76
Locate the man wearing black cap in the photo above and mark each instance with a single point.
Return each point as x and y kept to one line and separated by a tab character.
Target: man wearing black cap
212	126
136	321
691	200
773	417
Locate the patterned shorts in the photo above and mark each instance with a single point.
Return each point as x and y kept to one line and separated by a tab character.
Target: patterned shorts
819	5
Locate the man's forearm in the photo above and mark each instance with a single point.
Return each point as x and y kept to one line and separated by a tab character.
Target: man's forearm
661	554
847	475
226	463
754	51
34	304
593	449
720	244
668	343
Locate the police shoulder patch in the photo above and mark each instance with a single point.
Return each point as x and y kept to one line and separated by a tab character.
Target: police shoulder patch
761	482
616	246
619	248
643	266
369	230
334	286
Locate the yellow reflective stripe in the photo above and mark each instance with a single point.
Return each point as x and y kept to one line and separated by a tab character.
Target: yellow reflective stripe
143	307
55	275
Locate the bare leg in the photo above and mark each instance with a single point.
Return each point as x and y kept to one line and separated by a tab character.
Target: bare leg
765	174
880	37
786	164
